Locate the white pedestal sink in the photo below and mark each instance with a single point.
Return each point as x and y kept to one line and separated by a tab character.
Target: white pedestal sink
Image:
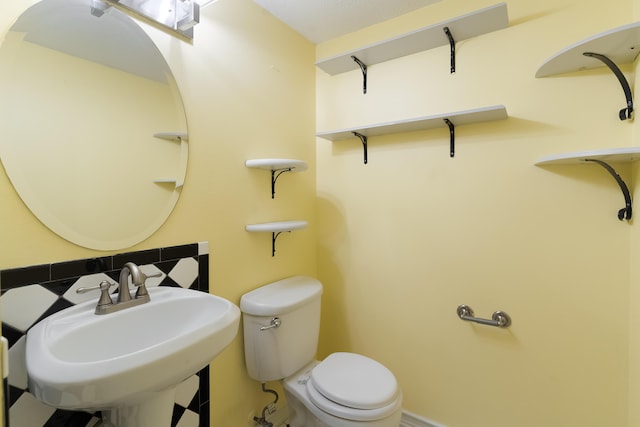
127	363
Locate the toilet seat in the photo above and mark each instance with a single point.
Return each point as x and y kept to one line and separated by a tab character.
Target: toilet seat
354	387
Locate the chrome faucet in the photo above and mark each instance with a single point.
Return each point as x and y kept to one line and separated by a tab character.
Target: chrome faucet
137	278
125	300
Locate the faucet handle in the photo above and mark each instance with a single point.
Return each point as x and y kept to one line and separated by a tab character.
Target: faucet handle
105	298
142	289
146	276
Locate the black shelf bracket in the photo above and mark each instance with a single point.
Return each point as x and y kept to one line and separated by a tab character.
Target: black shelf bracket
275	174
363	138
452	43
626	112
363	67
452	137
274	237
624	213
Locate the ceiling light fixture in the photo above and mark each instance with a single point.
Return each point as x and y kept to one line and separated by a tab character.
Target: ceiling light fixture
176	16
205	3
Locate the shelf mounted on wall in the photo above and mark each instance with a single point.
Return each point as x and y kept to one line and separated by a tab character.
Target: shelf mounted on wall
477	115
277	168
452	137
470	25
602	158
276	229
173	136
624	213
626	112
181	138
452	46
363	68
611	48
364	140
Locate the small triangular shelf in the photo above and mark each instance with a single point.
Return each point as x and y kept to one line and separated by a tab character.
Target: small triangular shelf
277	164
277	168
611	48
172	136
625	154
601	158
276	228
621	45
182	138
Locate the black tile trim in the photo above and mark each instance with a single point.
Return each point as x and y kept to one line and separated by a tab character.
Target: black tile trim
16	277
141	258
77	268
12	278
177	252
203	273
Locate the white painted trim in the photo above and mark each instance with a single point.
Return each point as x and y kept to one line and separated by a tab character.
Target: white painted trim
412	420
280	419
203	248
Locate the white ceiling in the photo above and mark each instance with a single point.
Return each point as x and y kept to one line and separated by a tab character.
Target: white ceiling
322	20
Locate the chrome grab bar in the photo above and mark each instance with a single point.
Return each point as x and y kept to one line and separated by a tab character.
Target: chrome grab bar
499	319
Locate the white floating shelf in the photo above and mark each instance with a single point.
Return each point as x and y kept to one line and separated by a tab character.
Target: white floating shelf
172	136
626	155
278	164
177	184
450	120
486	114
482	21
601	158
277	168
276	227
182	138
621	45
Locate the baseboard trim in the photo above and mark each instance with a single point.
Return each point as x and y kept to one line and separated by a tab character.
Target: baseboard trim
280	418
412	420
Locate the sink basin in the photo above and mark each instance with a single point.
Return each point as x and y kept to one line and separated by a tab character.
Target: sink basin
128	362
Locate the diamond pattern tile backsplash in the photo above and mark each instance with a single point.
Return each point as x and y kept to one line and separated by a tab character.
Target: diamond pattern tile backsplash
30	294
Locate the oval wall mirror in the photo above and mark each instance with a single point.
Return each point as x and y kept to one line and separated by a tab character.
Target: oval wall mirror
93	129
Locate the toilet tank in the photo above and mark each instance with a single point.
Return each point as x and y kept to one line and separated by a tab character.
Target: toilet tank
274	353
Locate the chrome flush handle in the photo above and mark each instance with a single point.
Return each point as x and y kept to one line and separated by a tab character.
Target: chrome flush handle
275	323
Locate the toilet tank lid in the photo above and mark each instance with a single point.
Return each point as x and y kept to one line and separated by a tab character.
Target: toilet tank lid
281	297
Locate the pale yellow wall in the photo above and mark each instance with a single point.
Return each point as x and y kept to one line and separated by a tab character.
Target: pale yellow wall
407	238
248	87
634	280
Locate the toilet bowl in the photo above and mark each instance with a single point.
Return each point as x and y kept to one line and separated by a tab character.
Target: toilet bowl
281	328
351	391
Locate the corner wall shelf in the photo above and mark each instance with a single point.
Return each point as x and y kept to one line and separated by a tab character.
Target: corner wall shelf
173	136
482	21
276	228
601	157
486	114
182	138
617	46
277	168
171	181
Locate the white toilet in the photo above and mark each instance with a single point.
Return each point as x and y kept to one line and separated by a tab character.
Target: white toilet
281	327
